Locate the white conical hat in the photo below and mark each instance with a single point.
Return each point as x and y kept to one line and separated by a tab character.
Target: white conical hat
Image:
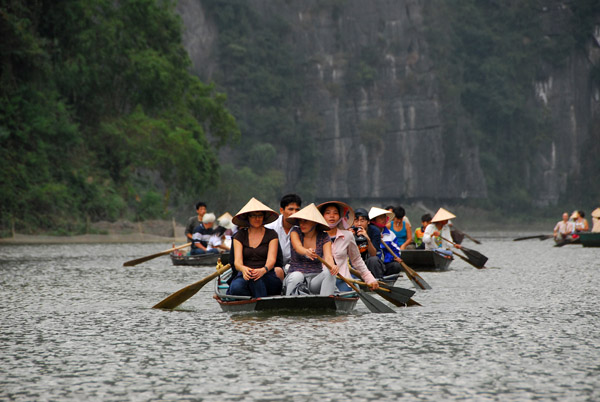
442	215
374	212
346	213
254	205
309	213
226	215
596	213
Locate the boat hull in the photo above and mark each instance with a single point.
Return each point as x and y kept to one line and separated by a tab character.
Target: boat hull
309	303
425	260
590	239
199	260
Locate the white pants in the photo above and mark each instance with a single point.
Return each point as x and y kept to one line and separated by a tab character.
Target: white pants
322	284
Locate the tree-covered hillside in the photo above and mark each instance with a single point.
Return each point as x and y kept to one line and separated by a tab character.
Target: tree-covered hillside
99	115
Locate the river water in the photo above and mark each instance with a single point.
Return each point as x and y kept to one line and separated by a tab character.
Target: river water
77	325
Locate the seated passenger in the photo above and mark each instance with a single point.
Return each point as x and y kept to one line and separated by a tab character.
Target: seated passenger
339	216
437	229
563	229
202	234
425	221
255	249
581	224
401	228
391	264
368	240
309	240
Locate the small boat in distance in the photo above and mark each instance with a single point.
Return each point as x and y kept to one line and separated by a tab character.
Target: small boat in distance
426	260
199	259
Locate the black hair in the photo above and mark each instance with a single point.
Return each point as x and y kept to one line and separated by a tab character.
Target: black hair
399	212
290	199
426	218
219	231
389	207
330	204
200	204
581	213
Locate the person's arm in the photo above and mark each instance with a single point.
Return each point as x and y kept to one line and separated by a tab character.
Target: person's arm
299	247
358	264
409	236
271	258
328	256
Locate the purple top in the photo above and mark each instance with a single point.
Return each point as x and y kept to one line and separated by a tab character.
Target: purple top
303	264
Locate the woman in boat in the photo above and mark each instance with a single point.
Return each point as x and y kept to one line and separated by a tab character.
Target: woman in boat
255	249
391	263
581	224
437	231
401	229
310	240
339	217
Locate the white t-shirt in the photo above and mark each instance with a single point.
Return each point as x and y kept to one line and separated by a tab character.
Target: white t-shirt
284	238
430	240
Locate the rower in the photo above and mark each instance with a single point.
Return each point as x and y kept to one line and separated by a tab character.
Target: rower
437	230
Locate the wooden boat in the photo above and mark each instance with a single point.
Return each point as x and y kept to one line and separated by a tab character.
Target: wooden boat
198	260
426	260
344	302
589	239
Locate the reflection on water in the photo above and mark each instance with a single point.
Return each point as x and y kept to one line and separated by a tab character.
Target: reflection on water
77	325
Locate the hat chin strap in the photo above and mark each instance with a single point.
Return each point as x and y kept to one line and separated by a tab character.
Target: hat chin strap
334	225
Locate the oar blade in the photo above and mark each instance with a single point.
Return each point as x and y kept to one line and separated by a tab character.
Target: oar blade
374	305
415	278
401	294
184	294
477	259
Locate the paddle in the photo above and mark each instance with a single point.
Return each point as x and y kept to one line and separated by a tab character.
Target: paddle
467	236
412	275
150	257
474	257
391	296
374	305
541	237
183	294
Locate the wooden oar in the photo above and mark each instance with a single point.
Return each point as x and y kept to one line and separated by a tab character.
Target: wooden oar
183	294
374	305
466	235
541	237
389	297
150	257
400	296
474	257
410	273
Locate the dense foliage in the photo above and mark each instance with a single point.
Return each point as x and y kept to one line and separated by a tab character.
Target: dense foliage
99	115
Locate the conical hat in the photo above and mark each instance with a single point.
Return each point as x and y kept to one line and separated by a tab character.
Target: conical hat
442	215
575	215
374	212
254	205
309	213
596	213
346	213
226	215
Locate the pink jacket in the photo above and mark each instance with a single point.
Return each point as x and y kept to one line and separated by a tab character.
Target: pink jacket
344	247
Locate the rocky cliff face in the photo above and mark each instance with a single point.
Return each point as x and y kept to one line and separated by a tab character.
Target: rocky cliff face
380	123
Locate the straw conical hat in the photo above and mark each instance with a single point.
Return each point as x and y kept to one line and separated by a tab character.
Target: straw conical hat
346	213
374	212
309	213
596	213
442	215
254	205
226	215
575	215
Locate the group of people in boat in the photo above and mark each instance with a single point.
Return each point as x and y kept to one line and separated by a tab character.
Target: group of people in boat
303	250
571	225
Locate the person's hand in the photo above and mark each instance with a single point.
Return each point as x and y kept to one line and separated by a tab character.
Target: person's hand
373	285
247	273
258	273
458	246
334	270
436	233
403	247
310	254
398	260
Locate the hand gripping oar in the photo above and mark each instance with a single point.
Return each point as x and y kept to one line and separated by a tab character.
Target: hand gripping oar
394	295
374	305
412	275
150	257
475	258
183	294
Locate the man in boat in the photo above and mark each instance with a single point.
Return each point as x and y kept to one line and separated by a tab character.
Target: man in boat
437	231
288	205
202	234
391	262
195	220
425	221
564	228
368	240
